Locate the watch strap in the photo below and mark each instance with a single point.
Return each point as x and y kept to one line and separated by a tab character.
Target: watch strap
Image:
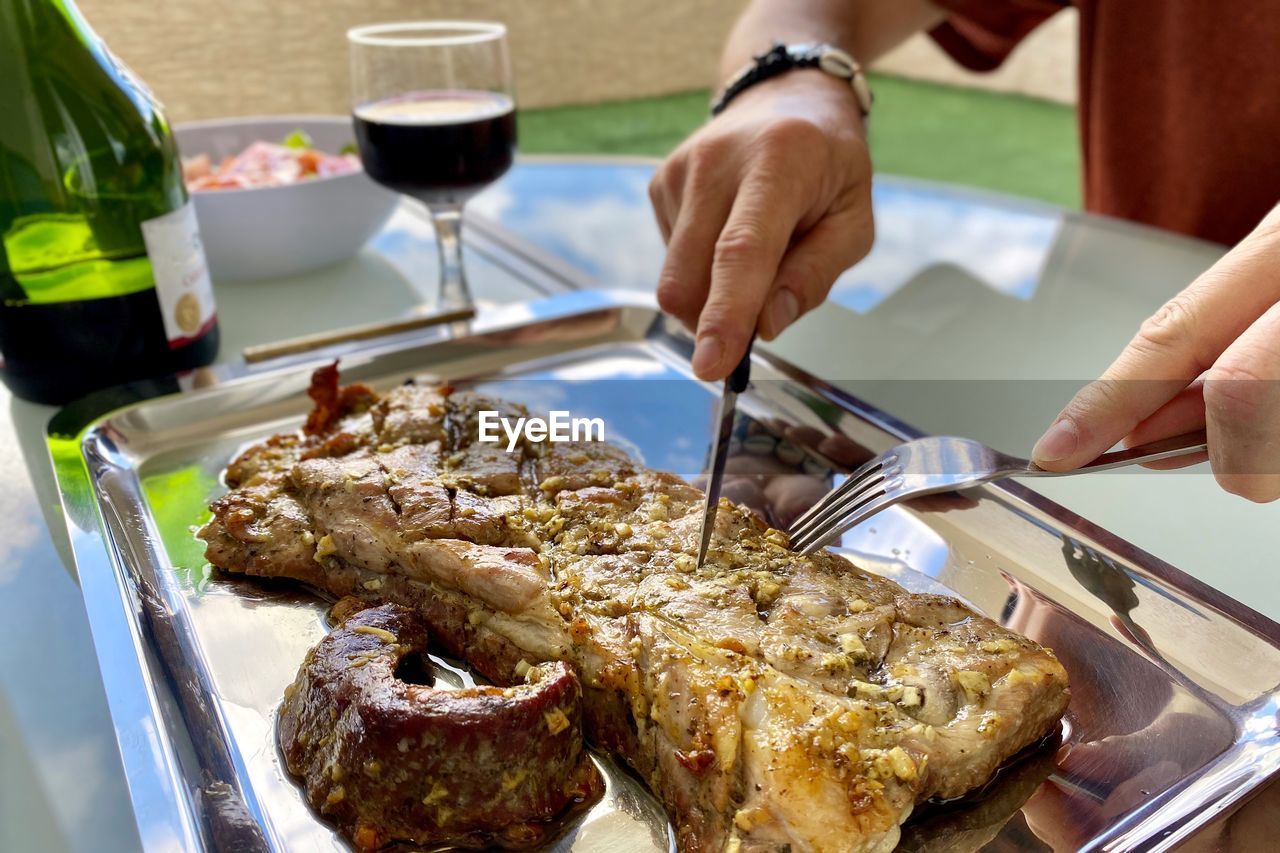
780	59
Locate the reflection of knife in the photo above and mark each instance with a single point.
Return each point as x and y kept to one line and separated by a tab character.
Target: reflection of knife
734	385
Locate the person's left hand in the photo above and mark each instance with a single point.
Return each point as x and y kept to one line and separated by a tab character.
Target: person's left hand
1209	358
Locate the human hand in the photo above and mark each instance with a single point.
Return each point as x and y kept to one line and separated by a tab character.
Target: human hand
1209	358
762	208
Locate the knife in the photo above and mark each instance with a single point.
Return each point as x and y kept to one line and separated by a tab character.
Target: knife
734	384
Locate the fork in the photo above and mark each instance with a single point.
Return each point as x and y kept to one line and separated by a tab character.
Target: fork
926	466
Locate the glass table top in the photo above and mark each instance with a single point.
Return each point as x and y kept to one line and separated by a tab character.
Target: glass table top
975	314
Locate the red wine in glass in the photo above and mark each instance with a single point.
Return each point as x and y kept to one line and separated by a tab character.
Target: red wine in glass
435	119
439	146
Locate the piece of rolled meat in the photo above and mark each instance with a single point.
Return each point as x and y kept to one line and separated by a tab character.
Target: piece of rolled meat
389	760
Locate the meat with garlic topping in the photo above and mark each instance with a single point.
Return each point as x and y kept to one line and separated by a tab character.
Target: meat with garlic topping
770	700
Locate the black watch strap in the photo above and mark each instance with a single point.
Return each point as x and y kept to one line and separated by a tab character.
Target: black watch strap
780	59
776	60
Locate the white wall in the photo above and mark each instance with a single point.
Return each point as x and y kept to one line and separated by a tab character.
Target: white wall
208	58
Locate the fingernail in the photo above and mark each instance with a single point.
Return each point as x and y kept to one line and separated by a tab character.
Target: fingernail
783	311
707	354
1058	443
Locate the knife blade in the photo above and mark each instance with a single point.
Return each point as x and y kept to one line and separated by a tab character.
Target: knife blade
734	384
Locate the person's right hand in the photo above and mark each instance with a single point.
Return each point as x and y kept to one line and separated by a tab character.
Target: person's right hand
762	208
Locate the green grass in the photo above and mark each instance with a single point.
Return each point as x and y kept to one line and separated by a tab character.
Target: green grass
651	126
1006	143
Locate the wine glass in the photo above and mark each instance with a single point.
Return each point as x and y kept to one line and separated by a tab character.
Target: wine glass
435	119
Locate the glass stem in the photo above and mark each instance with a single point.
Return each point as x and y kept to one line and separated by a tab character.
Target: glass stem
454	293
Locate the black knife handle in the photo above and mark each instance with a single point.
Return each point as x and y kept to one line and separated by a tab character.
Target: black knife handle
741	376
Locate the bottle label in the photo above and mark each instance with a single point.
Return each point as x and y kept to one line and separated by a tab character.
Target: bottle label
181	274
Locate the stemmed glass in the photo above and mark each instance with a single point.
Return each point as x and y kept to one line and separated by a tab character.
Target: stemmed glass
435	119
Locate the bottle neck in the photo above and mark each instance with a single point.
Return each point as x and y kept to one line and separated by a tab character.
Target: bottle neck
31	27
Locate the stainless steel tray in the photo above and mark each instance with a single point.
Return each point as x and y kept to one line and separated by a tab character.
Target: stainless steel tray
1173	721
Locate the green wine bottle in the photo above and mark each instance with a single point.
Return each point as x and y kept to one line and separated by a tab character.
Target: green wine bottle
102	275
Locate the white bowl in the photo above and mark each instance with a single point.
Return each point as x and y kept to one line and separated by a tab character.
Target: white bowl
271	232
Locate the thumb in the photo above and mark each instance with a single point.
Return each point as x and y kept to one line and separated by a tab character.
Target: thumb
1098	416
1170	350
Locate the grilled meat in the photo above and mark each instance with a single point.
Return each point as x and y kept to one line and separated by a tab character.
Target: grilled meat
395	761
769	699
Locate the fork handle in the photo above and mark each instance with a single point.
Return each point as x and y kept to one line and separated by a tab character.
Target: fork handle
1152	451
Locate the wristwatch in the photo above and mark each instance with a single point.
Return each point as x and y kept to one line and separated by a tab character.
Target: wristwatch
782	58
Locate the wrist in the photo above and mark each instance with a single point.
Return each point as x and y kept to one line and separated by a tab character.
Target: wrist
803	90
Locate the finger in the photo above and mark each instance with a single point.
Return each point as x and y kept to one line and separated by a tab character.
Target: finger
1137	635
790	495
844	451
1242	410
811	267
686	272
802	435
1171	349
942	502
744	265
1181	415
666	190
658	201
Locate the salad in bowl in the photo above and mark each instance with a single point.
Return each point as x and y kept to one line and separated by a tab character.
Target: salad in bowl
281	196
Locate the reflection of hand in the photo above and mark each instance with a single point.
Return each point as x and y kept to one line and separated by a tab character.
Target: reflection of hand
1210	357
834	447
1133	730
768	487
762	208
1122	772
779	495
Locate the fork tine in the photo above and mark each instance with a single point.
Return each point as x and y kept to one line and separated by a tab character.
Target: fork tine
839	506
837	503
1101	558
867	488
870	488
875	503
844	488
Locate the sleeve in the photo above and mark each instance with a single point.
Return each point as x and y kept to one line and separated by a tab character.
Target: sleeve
980	34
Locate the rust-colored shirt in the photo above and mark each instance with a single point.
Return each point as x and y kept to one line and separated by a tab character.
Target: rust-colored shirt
1179	102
